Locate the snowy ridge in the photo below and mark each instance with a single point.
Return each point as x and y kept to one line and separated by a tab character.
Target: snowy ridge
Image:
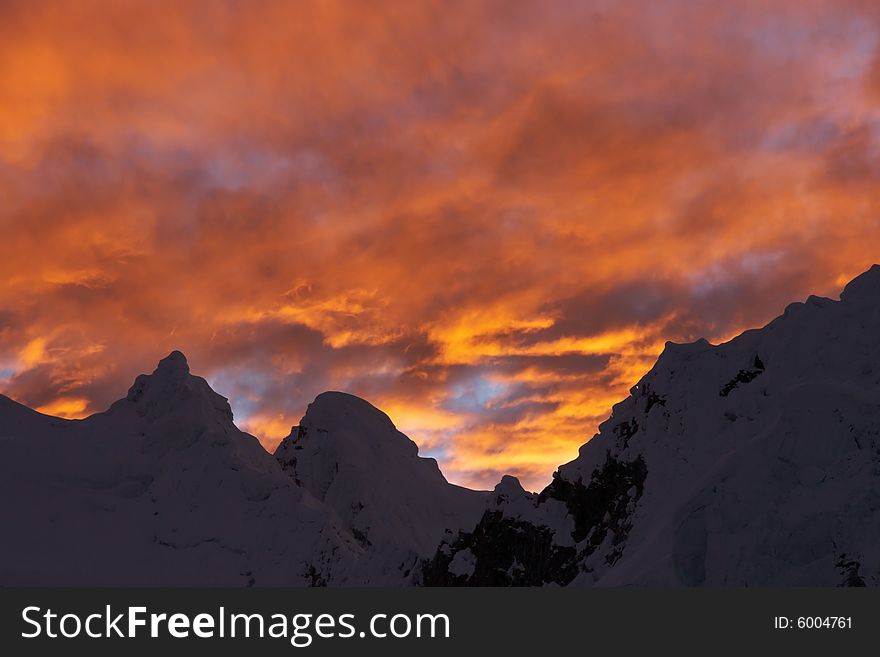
398	505
751	463
162	489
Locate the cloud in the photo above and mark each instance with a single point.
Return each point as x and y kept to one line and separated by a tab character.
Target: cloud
485	218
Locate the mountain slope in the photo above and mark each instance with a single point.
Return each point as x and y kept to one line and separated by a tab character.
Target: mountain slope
397	504
755	462
162	489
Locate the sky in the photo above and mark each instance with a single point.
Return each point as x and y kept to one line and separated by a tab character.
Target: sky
486	218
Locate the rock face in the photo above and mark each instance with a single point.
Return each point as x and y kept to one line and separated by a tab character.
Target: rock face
751	463
510	546
396	504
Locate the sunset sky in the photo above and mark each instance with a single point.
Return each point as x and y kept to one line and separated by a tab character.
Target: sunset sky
486	218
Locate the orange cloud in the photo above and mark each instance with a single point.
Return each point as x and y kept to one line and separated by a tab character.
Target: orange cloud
485	218
66	407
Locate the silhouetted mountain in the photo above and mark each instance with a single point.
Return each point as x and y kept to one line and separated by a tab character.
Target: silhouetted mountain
751	463
754	462
161	489
398	505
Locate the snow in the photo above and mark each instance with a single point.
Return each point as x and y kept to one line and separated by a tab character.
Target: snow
164	489
772	483
349	455
762	458
751	463
463	563
161	489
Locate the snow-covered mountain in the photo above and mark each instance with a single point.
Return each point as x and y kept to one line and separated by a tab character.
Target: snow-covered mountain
398	505
161	489
751	463
754	462
164	489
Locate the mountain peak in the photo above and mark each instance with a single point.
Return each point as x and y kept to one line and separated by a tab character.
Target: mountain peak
174	364
356	425
863	288
336	401
509	485
171	386
349	455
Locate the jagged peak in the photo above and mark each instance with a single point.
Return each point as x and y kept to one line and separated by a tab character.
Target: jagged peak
674	351
819	302
171	385
509	495
864	288
687	347
509	485
173	365
167	380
